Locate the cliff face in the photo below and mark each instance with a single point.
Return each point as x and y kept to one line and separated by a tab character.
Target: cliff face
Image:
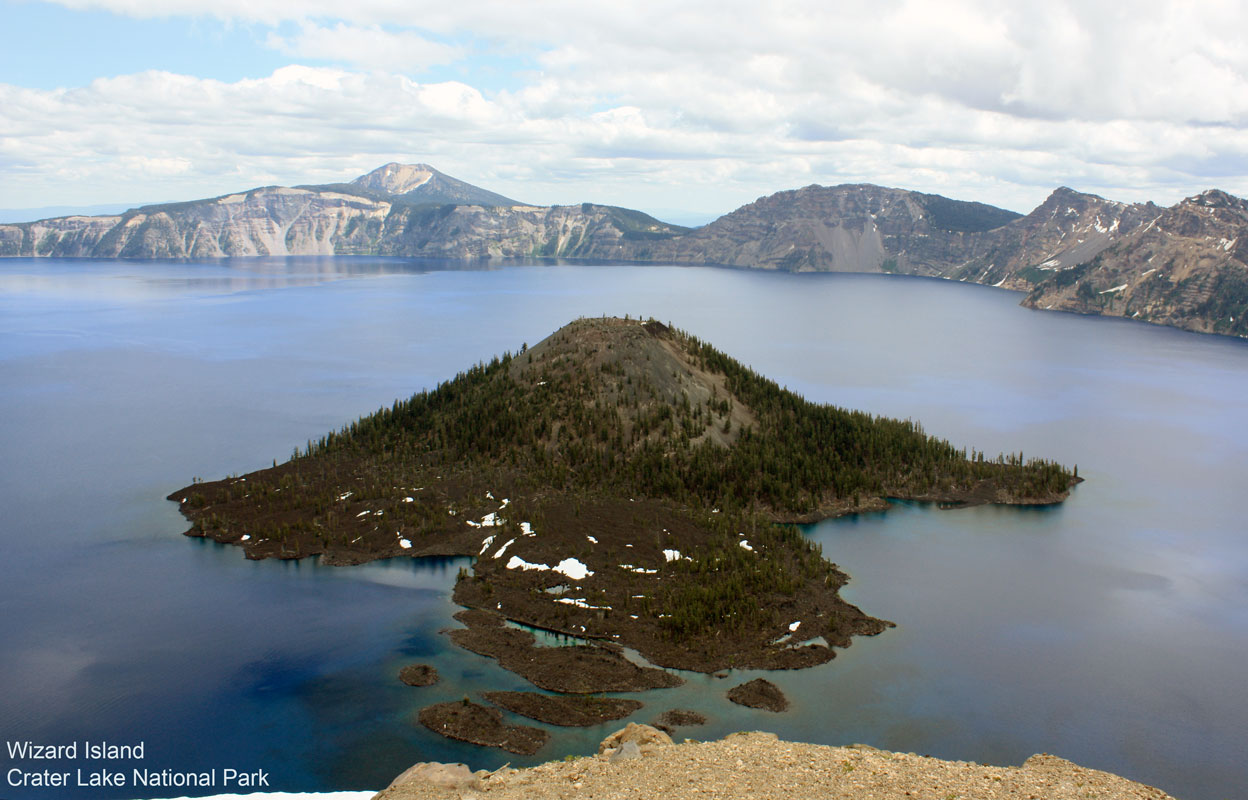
850	228
345	219
1067	229
1187	266
1183	266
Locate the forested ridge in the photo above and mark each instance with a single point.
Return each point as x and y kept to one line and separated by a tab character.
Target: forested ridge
577	415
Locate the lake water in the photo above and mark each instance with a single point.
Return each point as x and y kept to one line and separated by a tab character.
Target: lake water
1111	630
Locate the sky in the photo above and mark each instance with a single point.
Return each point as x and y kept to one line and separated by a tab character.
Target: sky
683	109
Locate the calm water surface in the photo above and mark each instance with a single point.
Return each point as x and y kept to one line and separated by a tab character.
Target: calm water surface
1111	630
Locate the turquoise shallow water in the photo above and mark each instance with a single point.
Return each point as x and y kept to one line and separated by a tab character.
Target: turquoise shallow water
1110	630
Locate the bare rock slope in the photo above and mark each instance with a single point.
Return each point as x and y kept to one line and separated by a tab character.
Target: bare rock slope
761	767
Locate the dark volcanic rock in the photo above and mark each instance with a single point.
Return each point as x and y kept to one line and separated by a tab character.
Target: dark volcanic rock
418	675
470	722
759	693
579	669
571	712
679	718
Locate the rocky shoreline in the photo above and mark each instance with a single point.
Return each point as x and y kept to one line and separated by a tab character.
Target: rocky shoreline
641	762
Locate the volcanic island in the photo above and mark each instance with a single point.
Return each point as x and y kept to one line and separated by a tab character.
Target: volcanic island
621	482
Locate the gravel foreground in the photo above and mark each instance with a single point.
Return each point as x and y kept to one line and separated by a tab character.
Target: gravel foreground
759	766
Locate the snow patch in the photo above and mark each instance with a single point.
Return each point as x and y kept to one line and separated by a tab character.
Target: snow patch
247	536
363	513
409	499
503	549
745	545
579	603
592	539
793	626
573	569
671	555
527	529
1115	289
517	562
405	544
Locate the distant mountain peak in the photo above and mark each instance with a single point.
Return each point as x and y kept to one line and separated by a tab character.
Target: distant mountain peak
1216	198
423	184
395	178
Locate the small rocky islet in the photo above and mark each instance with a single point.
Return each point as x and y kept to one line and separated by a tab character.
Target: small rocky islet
620	482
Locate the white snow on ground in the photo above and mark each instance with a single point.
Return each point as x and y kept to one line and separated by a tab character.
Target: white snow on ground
517	562
1115	289
247	536
405	544
1052	262
506	500
503	549
1146	273
671	555
345	495
579	603
642	570
485	544
745	545
470	523
573	569
409	499
490	520
527	529
489	496
793	626
592	539
451	511
364	512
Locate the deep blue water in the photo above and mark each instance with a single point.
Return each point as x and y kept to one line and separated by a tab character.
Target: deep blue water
1111	630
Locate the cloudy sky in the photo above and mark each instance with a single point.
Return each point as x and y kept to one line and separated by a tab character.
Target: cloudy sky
685	109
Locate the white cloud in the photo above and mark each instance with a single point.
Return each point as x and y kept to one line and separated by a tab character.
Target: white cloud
370	47
702	105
